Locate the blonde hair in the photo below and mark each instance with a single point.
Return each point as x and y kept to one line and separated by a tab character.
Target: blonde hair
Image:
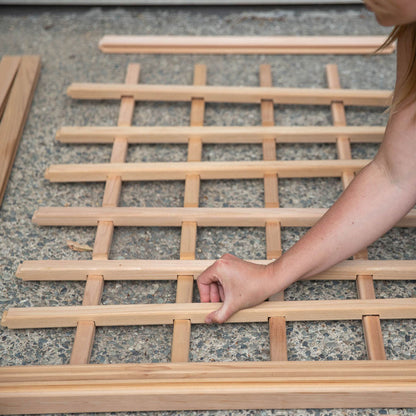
407	90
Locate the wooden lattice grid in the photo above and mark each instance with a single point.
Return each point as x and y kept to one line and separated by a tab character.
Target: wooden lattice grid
82	387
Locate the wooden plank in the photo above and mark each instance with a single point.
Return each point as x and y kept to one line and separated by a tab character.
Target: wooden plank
103	239
192	186
188	240
182	328
86	381
273	240
93	290
170	269
180	340
143	396
85	333
278	341
174	217
8	70
365	285
15	115
165	314
277	324
289	371
221	134
206	171
225	94
243	44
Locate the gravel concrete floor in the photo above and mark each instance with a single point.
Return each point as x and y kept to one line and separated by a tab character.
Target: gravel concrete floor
67	40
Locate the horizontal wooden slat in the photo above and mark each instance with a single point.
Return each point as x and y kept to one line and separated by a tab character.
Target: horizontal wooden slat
289	370
225	94
243	44
206	170
221	134
171	269
337	385
162	314
174	217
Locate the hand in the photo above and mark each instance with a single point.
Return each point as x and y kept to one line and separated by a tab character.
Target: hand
393	12
238	283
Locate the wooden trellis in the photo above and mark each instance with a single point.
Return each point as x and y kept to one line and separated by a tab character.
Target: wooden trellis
181	385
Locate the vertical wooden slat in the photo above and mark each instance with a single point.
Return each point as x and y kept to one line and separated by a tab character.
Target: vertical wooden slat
85	332
277	324
182	328
20	95
365	283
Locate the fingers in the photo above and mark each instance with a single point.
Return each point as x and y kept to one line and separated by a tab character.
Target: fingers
214	292
204	282
220	315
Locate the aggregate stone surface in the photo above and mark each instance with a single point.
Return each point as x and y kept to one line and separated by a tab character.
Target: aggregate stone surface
67	39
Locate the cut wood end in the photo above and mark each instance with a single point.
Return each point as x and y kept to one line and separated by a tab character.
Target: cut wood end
19	271
47	174
4	319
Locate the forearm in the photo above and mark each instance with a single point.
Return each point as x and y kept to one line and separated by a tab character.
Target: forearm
370	206
374	202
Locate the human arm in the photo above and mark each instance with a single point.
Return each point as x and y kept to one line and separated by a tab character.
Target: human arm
380	195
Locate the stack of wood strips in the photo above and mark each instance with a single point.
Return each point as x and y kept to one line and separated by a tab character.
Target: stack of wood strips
18	78
288	45
180	385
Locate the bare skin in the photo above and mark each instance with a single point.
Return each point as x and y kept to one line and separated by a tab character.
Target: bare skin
392	12
380	195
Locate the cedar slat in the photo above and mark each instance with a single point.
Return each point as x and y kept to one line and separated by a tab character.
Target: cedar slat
243	44
340	371
206	171
225	94
163	314
365	285
84	336
8	70
182	328
221	134
277	324
174	217
170	269
15	115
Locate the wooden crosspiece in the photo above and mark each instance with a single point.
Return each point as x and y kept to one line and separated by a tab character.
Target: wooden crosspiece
365	286
184	385
182	327
84	336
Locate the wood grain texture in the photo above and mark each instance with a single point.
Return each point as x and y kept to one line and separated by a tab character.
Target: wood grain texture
174	217
85	333
365	285
225	94
15	115
8	69
170	269
165	314
277	324
206	171
220	134
333	370
81	351
243	44
182	328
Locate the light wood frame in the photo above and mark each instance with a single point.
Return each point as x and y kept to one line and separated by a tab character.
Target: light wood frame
288	45
180	385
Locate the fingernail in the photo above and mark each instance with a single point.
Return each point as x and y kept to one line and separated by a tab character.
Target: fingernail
208	320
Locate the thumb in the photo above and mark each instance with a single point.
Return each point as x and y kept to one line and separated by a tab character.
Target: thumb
220	315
